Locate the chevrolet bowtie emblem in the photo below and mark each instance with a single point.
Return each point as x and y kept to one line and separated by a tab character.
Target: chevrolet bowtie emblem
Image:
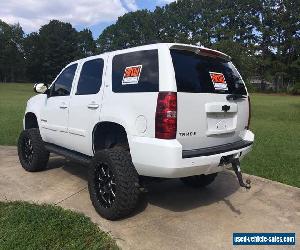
225	108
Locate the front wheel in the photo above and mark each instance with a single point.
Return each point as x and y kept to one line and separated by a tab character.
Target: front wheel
199	180
32	153
113	183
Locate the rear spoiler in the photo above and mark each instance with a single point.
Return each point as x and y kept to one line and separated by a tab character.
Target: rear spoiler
202	51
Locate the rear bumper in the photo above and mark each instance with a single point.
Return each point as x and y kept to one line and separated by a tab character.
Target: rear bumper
216	150
165	158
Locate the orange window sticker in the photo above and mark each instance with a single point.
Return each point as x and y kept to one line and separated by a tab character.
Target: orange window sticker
132	74
218	80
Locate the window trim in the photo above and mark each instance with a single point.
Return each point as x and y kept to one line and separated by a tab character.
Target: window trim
81	67
74	78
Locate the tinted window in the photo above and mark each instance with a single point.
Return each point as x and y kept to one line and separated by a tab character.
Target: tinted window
135	72
90	77
194	73
63	84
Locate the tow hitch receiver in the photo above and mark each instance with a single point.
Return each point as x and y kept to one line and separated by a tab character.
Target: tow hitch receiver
236	168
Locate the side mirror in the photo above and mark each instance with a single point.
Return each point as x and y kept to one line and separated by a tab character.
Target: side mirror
40	88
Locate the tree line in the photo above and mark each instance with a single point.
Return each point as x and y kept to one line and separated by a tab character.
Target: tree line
262	36
39	56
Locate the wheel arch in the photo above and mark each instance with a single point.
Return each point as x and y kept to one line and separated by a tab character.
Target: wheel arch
107	134
30	121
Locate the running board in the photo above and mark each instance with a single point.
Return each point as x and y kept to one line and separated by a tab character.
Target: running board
69	154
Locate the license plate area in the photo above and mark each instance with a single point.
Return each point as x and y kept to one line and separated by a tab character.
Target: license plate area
220	123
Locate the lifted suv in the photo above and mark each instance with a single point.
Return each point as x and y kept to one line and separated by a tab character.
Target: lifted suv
161	110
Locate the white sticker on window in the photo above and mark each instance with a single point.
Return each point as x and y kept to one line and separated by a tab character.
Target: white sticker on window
132	74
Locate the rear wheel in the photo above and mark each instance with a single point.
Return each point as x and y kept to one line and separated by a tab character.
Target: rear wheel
199	180
113	183
32	153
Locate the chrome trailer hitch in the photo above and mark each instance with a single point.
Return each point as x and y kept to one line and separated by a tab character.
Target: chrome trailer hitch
235	162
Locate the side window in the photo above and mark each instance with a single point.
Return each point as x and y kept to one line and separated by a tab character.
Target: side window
90	77
135	72
63	84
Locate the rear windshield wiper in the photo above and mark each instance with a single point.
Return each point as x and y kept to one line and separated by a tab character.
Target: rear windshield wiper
236	96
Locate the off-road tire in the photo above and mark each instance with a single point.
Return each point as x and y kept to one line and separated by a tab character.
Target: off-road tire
126	187
197	181
39	155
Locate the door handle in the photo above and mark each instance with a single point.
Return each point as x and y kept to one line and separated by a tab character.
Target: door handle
63	105
93	106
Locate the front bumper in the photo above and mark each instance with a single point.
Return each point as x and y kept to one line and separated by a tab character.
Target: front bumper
165	158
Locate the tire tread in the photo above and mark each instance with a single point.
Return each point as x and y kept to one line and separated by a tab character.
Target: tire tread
126	180
41	155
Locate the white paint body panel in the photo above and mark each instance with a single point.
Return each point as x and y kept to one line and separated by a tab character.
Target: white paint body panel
84	114
54	120
201	113
72	127
163	158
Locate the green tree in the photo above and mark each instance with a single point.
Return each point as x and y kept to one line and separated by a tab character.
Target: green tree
286	40
59	44
85	43
173	22
53	47
132	29
11	52
278	39
34	55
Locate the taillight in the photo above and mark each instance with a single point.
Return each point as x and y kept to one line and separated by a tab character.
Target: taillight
249	117
166	115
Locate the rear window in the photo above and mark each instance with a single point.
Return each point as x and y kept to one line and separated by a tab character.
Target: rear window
135	72
201	74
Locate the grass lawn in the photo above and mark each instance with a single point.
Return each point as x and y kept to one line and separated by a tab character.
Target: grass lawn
30	226
13	98
275	122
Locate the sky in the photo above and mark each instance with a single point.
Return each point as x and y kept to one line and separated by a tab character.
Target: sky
92	14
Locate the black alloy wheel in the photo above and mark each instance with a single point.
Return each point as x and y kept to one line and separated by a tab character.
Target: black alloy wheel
27	150
105	185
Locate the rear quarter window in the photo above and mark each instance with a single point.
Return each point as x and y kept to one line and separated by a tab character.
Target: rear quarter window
135	72
194	73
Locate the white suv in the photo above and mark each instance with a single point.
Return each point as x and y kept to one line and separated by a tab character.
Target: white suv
162	110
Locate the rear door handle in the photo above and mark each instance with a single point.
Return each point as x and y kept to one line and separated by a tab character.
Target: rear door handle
235	97
63	105
93	106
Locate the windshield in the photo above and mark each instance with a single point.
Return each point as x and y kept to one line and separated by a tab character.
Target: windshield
202	74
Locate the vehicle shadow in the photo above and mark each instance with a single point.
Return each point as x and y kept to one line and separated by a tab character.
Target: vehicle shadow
175	196
76	169
170	194
71	167
55	162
